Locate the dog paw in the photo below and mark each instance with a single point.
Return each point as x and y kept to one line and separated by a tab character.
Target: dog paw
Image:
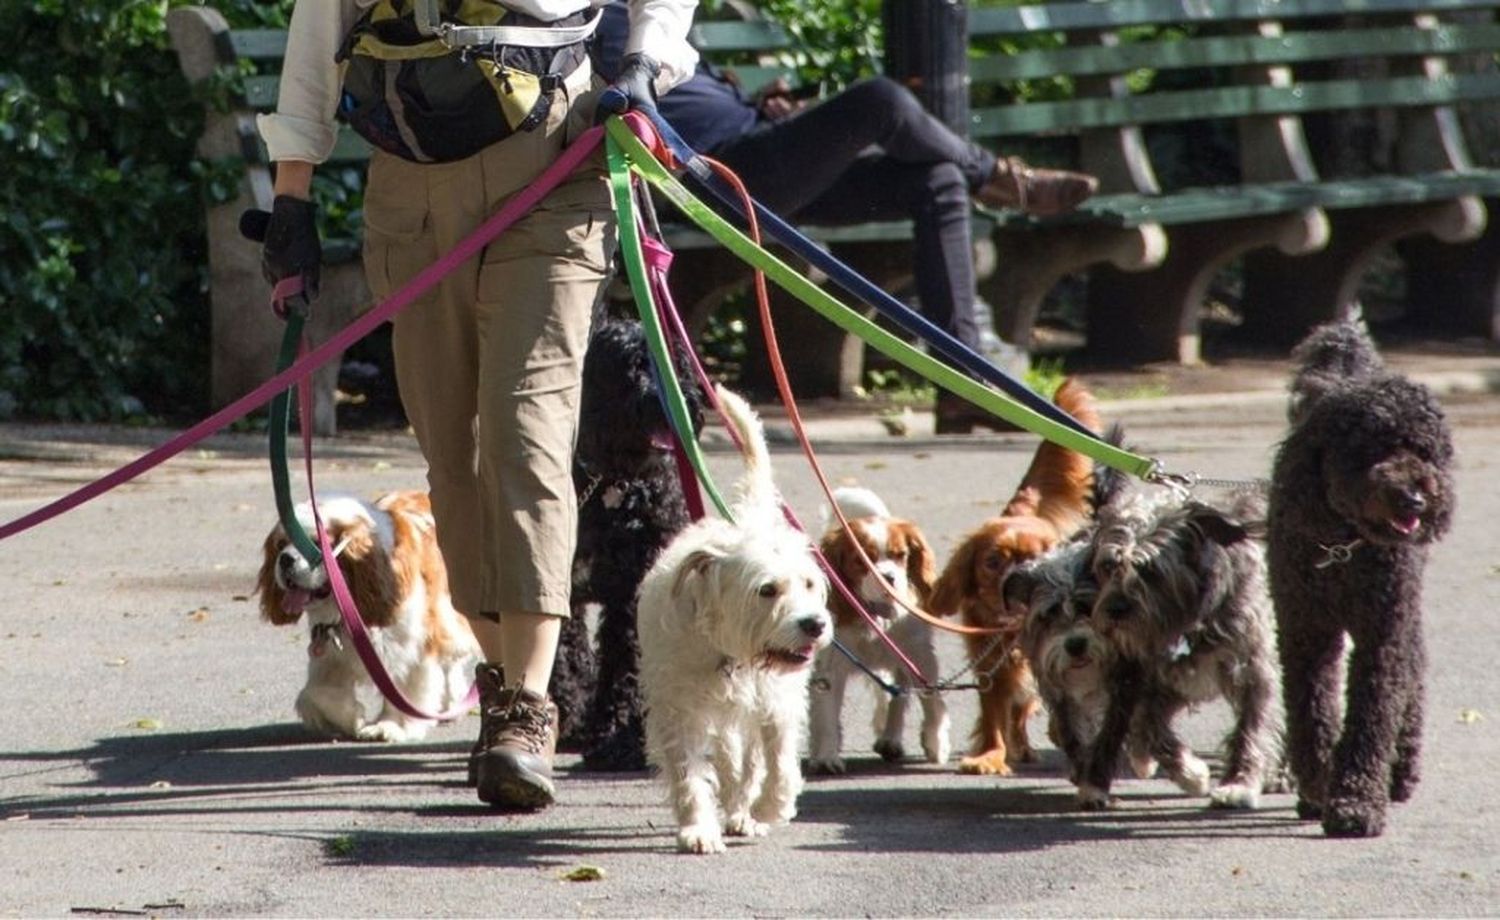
385	731
1092	798
700	839
1309	811
773	812
1194	777
1235	795
936	749
1353	818
745	826
1143	766
890	751
827	766
991	763
1403	788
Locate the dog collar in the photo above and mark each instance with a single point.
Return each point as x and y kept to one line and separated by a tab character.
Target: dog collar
323	635
1337	553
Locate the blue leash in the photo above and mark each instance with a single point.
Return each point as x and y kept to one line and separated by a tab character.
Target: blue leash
957	353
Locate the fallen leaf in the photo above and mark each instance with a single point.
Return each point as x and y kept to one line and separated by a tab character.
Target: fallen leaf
583	874
161	784
239	597
199	615
875	465
147	725
1470	716
381	465
116	663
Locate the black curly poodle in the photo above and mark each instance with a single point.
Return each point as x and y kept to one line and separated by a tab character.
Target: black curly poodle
1361	486
630	504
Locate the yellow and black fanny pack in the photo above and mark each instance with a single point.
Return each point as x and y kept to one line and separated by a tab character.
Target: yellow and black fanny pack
434	81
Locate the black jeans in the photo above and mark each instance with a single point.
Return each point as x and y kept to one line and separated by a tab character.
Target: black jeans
873	153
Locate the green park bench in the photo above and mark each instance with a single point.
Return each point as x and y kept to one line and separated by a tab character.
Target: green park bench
1130	79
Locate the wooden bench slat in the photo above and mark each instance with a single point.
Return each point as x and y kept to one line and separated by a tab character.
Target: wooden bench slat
1231	102
1234	50
1114	14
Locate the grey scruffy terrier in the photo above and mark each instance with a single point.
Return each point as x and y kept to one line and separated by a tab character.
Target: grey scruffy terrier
1182	601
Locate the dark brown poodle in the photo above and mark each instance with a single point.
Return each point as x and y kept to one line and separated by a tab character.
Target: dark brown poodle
1361	486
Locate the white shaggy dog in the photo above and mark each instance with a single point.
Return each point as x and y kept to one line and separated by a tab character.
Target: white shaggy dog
730	618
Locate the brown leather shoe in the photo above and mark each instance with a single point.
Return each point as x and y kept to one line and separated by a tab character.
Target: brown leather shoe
517	741
1034	190
956	415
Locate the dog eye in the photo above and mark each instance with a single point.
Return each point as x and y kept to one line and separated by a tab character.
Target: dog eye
769	589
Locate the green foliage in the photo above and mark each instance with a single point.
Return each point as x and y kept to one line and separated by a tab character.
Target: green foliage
102	256
840	39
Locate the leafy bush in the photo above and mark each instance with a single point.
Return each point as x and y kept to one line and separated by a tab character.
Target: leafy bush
102	262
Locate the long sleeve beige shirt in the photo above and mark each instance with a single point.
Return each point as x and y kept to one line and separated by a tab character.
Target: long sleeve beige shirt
303	126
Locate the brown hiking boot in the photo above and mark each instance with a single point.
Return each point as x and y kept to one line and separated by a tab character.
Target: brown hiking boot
1035	190
490	679
512	762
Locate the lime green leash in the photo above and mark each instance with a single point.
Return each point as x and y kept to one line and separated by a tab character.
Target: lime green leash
624	149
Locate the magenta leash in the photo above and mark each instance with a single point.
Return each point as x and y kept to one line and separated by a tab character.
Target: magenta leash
513	210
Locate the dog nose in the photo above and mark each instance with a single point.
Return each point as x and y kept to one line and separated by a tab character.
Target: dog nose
813	627
286	562
1076	645
1413	502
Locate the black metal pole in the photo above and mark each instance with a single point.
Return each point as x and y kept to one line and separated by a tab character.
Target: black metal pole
927	50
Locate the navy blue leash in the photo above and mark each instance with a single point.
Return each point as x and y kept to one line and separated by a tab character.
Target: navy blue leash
957	353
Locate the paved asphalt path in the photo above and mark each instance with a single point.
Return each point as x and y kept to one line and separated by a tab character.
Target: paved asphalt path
151	763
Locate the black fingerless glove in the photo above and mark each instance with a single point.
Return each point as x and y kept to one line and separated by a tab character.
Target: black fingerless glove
634	88
292	247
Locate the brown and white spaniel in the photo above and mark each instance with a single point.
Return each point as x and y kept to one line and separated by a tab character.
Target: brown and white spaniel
904	563
388	554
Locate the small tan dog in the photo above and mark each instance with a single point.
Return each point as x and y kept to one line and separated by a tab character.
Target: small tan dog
388	554
730	619
1051	503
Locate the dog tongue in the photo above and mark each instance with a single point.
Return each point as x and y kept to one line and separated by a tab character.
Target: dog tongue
1407	525
295	601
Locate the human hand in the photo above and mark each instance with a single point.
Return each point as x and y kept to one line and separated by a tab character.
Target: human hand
634	88
291	246
775	100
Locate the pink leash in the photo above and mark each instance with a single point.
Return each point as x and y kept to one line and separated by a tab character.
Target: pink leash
359	635
513	210
658	259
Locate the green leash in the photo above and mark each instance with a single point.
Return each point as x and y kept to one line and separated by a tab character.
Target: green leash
280	423
640	286
623	143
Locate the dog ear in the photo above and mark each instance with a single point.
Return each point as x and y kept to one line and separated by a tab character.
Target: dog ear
371	575
1222	529
271	593
696	565
921	563
957	581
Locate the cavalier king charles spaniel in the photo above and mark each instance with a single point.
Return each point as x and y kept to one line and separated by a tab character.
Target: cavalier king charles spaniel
1051	503
388	554
904	566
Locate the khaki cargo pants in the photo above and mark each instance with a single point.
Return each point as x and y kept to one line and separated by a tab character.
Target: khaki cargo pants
489	363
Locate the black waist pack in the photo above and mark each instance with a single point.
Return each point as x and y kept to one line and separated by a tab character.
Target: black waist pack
425	100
